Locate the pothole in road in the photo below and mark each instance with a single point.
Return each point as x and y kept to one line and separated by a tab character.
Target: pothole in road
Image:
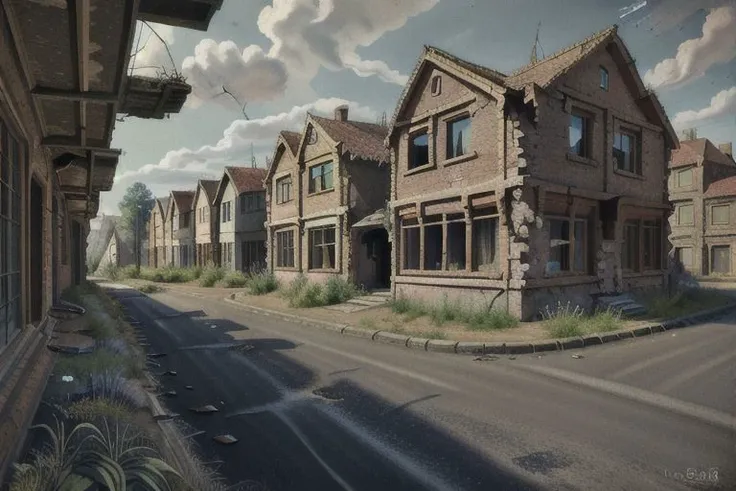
542	462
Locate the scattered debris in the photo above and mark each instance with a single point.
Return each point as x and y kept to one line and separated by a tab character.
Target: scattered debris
213	326
170	372
225	439
540	356
189	387
156	355
209	408
486	358
577	356
328	393
165	417
512	357
153	363
67	378
171	393
192	435
222	403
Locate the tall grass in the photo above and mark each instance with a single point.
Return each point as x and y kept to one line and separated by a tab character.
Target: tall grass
682	302
210	276
262	283
302	294
475	317
234	279
568	320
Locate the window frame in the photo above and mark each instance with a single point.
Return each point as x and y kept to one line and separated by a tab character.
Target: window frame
311	184
311	232
435	85
729	258
640	226
680	206
713	214
682	172
281	183
283	258
449	136
252	202
604	78
678	256
586	139
571	221
413	135
635	149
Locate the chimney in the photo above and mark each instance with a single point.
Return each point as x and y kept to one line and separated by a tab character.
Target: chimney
341	113
726	148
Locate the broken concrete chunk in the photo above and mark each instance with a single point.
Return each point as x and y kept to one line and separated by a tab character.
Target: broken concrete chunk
486	358
209	408
170	372
171	393
189	387
71	343
225	439
156	355
577	356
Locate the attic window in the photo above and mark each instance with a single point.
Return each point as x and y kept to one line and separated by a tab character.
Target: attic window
312	139
604	78
436	85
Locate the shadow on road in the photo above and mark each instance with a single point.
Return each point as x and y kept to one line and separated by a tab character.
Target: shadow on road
295	432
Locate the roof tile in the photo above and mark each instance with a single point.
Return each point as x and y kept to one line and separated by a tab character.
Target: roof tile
723	187
183	200
210	188
292	139
247	179
362	140
702	148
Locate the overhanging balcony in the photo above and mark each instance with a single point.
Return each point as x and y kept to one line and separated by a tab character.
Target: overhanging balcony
192	14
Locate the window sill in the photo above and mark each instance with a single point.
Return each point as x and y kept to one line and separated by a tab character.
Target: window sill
581	160
421	168
643	274
293	269
460	159
284	202
566	274
320	270
487	275
317	193
626	173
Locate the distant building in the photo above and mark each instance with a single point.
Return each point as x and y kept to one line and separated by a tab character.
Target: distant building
118	245
182	228
206	226
702	188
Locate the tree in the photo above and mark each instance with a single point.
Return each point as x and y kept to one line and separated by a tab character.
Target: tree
139	200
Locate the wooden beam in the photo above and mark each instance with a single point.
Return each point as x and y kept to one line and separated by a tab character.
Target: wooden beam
75	190
73	95
73	142
90	170
82	28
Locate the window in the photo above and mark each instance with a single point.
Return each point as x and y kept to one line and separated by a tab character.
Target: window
604	78
320	177
175	222
685	178
227	254
11	157
252	202
651	245
185	220
720	259
225	212
446	238
626	152
285	249
418	150
630	252
684	255
579	135
567	251
720	215
458	137
283	189
322	248
685	214
436	85
253	255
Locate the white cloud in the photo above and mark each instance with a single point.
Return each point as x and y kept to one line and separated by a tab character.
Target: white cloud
250	76
695	56
305	36
151	57
234	146
721	104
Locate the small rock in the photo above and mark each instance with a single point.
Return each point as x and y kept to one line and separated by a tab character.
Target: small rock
512	357
577	356
189	387
486	358
170	372
225	439
156	355
209	408
171	393
67	378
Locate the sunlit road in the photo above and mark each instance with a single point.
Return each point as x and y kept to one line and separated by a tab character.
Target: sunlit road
316	410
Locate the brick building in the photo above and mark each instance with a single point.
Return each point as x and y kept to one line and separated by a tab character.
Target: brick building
702	188
321	185
206	228
518	191
241	201
157	254
63	80
182	228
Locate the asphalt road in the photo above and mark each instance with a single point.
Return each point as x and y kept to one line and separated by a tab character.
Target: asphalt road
316	410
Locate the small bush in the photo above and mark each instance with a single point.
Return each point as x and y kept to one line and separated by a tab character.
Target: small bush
564	320
339	290
150	288
410	308
112	385
210	276
490	320
302	294
100	360
89	409
476	318
110	271
234	279
129	272
262	283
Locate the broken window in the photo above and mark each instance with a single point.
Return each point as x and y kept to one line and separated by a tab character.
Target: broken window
684	255
283	189
651	244
433	242
485	243
579	134
720	215
285	249
720	259
567	245
685	214
456	236
322	248
626	151
418	149
630	252
604	78
685	178
410	238
320	177
458	137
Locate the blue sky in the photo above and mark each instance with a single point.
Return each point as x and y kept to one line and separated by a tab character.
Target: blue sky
285	57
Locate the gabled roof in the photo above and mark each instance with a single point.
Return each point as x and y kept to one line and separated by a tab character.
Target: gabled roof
209	186
547	70
243	179
163	204
292	140
479	70
699	152
183	200
721	188
361	140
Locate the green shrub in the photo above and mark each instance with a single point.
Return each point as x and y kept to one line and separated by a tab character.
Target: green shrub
150	288
302	294
410	308
262	283
476	318
89	409
234	279
130	272
210	276
564	320
490	320
110	271
339	290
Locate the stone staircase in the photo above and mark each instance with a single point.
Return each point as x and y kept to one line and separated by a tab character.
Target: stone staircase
376	298
623	303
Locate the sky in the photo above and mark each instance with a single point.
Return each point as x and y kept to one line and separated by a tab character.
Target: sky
280	59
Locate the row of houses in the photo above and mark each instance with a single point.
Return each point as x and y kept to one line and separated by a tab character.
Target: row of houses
516	190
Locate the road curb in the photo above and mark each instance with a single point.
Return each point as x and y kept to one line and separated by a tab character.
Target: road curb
497	348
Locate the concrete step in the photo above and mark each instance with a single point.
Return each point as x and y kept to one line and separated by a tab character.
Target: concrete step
367	302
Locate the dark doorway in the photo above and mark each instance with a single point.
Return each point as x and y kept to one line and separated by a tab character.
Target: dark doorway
36	251
377	250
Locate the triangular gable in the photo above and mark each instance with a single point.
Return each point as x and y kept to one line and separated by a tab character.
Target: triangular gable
489	81
282	145
311	124
226	180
